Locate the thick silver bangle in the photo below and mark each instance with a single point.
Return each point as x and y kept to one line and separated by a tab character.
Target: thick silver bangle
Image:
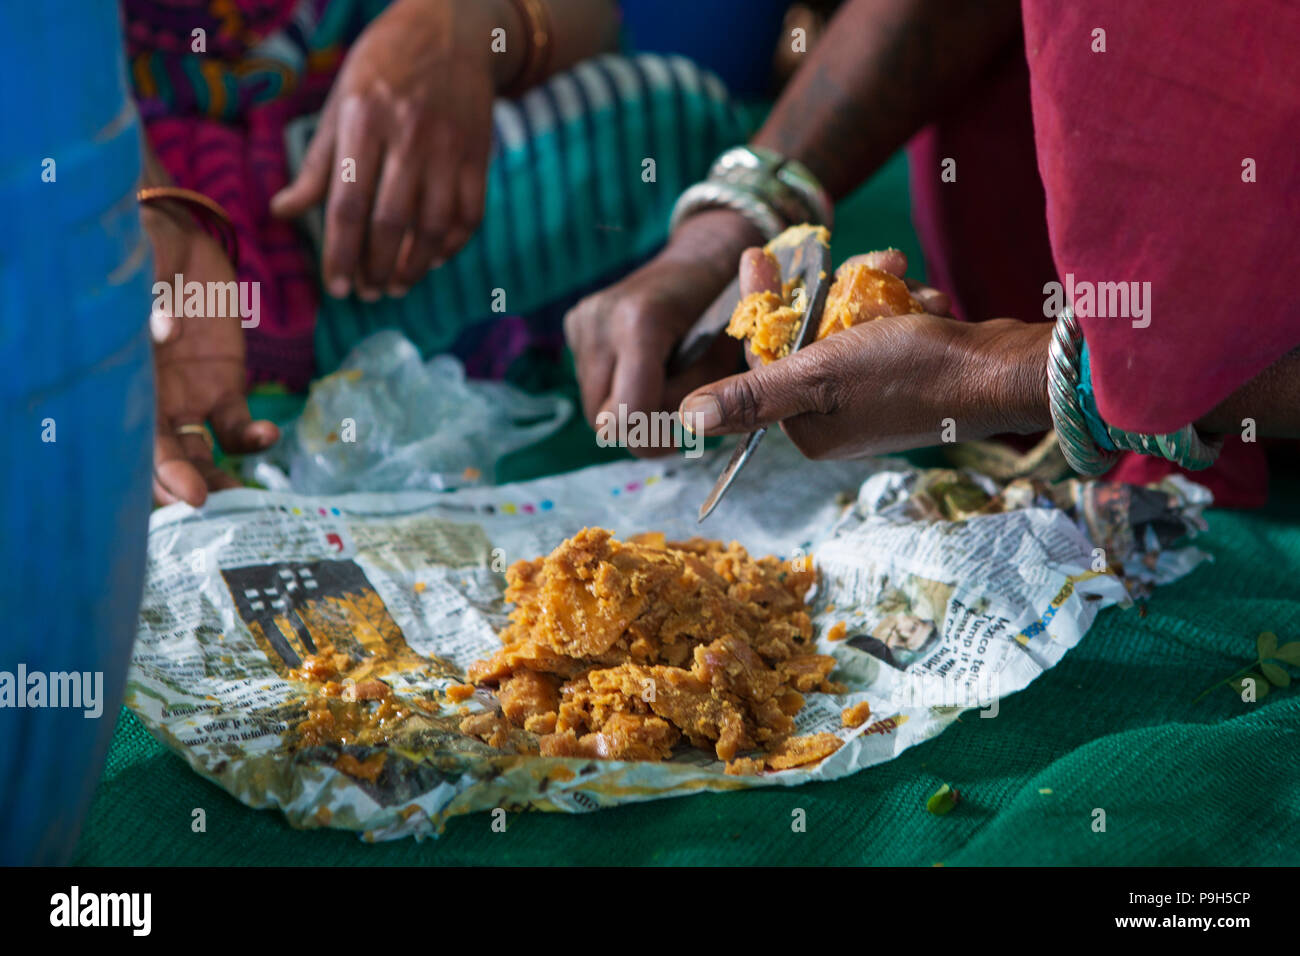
1084	455
711	195
759	161
787	183
1183	447
772	192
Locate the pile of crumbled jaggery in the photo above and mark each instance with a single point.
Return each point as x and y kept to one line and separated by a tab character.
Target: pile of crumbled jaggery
622	650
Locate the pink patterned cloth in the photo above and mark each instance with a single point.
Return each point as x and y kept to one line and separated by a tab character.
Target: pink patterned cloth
216	121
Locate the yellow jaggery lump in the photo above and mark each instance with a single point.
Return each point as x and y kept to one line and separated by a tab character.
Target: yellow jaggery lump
341	708
368	769
458	693
621	649
801	751
856	715
792	752
770	321
860	294
331	719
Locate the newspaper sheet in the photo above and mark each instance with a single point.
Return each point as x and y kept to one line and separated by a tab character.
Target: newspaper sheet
954	593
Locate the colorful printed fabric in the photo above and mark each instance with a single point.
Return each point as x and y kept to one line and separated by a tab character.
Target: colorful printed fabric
570	200
216	121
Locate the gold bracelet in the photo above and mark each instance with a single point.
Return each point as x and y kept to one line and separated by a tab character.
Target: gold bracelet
209	213
537	49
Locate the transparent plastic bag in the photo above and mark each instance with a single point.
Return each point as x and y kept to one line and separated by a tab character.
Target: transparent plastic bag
386	421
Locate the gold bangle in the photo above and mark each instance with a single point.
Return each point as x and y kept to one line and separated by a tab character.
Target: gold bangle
537	49
209	212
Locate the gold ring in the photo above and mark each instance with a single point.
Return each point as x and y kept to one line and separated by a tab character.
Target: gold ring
201	430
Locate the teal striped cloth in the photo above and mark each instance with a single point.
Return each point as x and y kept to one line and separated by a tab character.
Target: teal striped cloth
584	172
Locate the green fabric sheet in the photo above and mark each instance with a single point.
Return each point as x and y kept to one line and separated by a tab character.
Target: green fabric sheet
1114	727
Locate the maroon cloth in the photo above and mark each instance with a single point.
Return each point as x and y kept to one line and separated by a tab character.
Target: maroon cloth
1132	194
1141	151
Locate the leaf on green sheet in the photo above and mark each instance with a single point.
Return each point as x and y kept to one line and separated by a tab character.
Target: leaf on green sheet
942	800
1253	684
1275	673
1289	652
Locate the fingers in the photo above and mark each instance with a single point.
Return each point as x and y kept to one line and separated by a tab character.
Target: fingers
237	433
175	477
892	261
935	302
183	466
393	216
348	208
184	471
759	272
312	182
762	396
722	358
425	247
595	373
473	197
637	385
441	200
413	262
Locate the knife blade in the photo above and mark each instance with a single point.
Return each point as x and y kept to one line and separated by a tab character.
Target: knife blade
803	252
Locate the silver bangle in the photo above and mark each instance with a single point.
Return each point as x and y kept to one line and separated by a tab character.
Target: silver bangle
1084	455
772	192
748	164
712	195
1184	447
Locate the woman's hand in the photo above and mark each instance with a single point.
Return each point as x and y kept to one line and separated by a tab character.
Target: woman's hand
198	366
890	384
622	337
410	114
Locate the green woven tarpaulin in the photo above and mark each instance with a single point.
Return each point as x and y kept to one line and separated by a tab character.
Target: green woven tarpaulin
1114	727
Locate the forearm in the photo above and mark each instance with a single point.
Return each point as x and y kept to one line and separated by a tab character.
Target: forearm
883	69
1004	378
1271	400
579	29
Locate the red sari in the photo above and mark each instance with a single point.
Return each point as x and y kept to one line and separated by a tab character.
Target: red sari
1169	159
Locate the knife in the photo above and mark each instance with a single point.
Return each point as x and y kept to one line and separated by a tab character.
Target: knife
803	253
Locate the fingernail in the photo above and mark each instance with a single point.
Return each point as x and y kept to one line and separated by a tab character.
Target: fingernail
161	325
339	288
701	413
370	295
397	291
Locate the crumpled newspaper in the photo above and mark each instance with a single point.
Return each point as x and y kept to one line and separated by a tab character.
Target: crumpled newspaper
954	592
387	421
